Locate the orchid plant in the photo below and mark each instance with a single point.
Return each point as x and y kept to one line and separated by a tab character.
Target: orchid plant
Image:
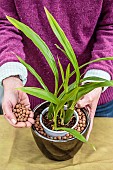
67	93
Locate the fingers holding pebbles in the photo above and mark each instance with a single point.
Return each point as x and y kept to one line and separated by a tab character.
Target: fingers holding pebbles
22	113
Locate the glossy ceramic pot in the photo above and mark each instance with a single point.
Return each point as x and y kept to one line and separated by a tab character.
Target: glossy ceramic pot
59	150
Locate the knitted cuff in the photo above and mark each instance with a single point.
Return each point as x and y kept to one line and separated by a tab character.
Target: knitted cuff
11	69
98	73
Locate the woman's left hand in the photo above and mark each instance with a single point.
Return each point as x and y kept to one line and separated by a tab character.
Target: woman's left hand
90	101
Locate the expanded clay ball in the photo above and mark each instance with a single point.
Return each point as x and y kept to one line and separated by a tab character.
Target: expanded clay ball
21	112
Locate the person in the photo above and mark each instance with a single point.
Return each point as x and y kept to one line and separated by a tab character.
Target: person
89	28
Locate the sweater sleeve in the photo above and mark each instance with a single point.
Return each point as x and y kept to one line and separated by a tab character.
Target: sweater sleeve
10	37
103	45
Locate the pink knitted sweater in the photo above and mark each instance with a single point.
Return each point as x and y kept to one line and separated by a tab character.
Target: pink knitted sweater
87	24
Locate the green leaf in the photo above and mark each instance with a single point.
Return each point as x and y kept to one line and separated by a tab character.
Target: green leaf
77	135
51	111
40	93
61	49
69	103
65	43
97	60
33	72
69	114
61	69
92	79
37	40
60	88
66	98
92	61
70	88
73	132
86	88
67	78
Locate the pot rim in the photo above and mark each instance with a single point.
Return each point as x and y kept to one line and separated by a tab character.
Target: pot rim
57	141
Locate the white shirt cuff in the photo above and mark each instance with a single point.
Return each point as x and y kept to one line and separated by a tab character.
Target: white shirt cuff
11	69
98	73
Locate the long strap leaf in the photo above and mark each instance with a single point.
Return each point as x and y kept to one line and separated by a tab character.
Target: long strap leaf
40	93
98	79
61	70
65	43
86	88
75	133
93	61
96	60
67	78
37	40
33	72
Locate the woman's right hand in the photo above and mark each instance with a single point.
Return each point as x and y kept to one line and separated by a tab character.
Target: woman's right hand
11	97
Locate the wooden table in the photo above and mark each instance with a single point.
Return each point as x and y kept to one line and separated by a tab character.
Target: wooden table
18	150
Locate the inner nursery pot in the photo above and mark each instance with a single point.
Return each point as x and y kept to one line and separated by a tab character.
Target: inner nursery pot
64	146
52	133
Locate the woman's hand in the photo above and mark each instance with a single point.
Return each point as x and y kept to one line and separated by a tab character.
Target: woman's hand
90	101
11	97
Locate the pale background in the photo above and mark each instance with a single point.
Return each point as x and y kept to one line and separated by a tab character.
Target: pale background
1	96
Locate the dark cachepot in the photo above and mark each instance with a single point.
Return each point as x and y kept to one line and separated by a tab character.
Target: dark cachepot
59	150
